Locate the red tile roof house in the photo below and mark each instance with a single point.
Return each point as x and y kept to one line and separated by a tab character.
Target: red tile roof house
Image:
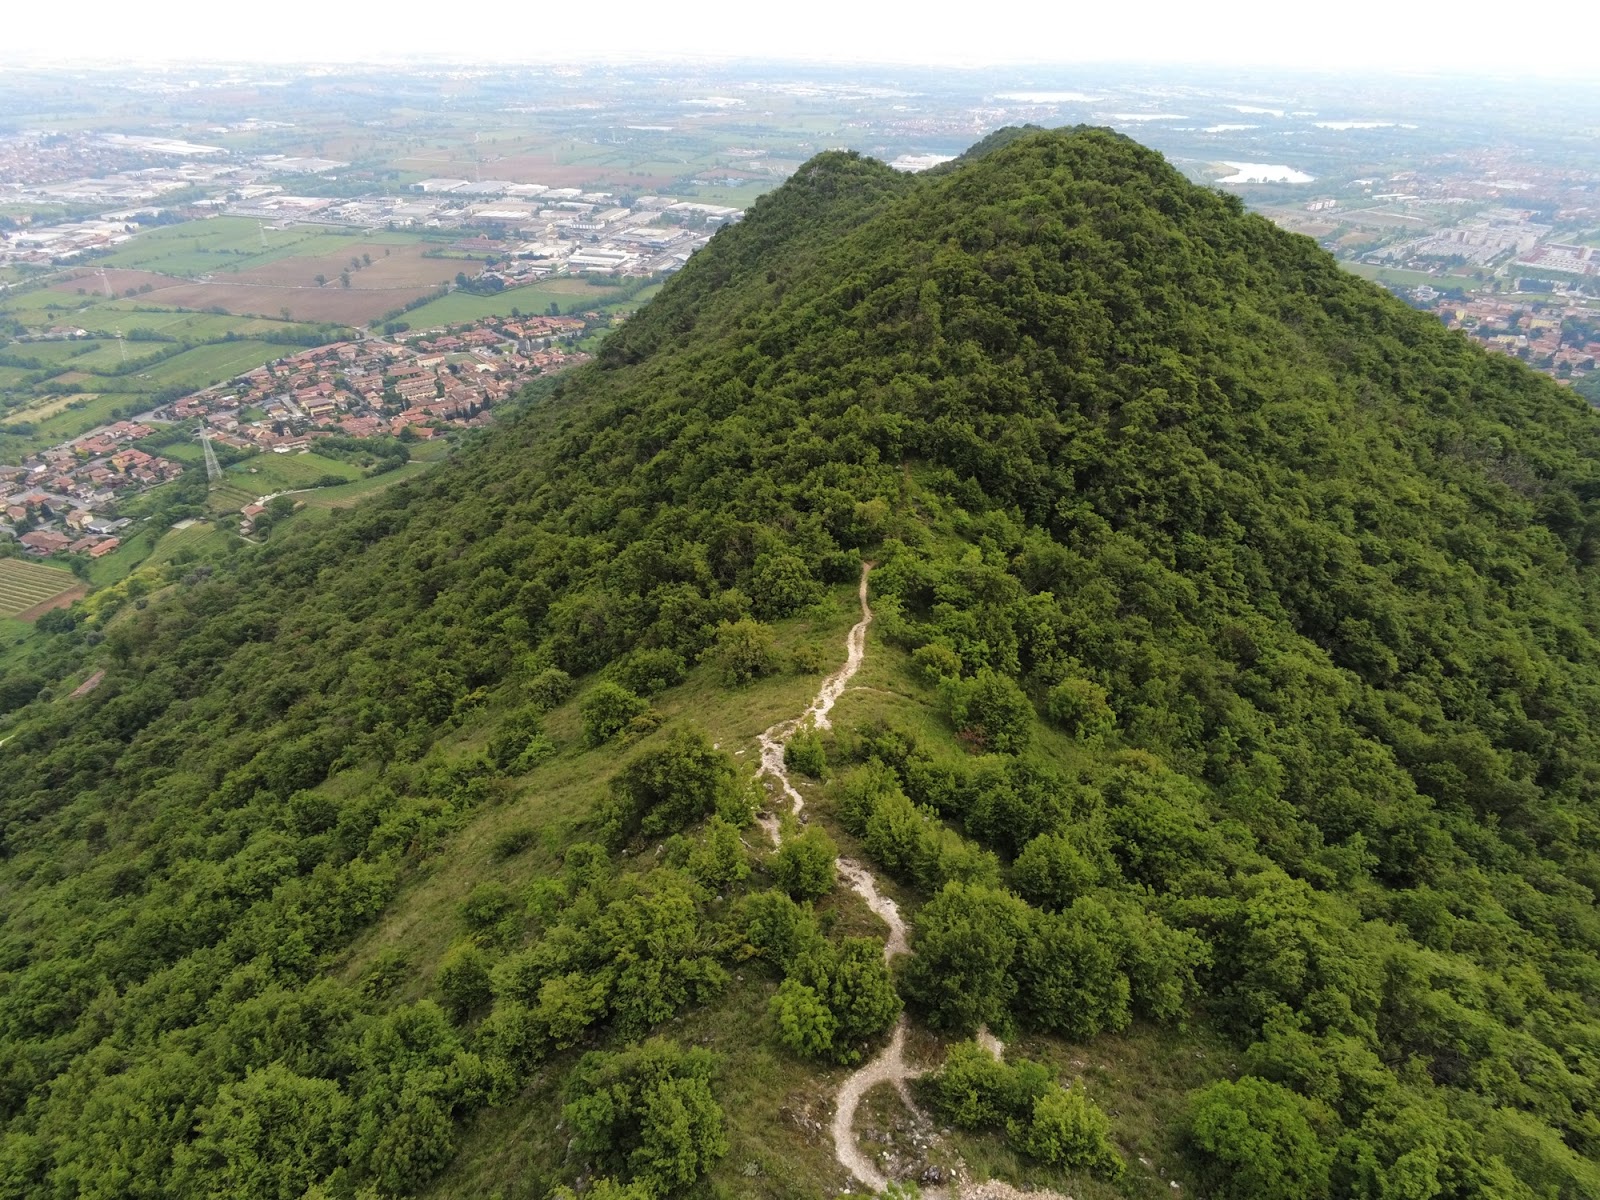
45	542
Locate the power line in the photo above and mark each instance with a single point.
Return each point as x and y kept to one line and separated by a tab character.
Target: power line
213	469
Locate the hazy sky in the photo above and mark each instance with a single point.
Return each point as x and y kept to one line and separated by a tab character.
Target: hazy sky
1355	34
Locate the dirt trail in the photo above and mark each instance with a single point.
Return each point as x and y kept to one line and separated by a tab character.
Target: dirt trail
772	741
889	1065
864	885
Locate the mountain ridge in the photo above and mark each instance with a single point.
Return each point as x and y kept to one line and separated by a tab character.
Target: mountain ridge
1236	656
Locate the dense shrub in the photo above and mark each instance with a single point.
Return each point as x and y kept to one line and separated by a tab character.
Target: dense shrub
608	710
1042	1119
668	788
647	1115
743	652
463	980
549	688
647	671
803	865
1079	707
990	710
1251	1141
804	752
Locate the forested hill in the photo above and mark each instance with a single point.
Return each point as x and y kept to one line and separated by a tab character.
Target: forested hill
1233	723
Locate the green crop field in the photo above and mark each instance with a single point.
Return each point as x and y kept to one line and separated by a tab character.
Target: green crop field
56	354
125	559
1396	277
742	196
430	451
236	244
632	303
179	323
24	584
184	452
45	299
78	416
39	310
569	295
96	354
231	497
326	499
206	365
264	473
195	539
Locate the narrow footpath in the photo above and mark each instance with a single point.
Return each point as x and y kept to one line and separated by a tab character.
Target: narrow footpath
889	1065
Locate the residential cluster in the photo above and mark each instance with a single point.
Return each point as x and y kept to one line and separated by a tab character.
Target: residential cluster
1499	248
417	385
62	500
1562	340
424	382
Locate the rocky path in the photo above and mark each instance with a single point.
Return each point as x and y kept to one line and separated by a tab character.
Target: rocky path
772	741
889	1065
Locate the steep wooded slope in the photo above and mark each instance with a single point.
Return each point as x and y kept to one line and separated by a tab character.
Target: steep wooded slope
1255	671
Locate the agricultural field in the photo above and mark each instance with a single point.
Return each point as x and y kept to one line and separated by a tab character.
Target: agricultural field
245	269
60	417
49	355
184	452
742	196
267	474
264	473
81	413
371	266
245	297
41	409
195	539
130	316
29	588
236	244
189	370
205	365
632	303
229	497
325	500
103	283
125	559
302	302
1398	277
568	295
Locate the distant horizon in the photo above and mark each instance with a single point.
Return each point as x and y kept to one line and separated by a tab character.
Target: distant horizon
460	60
1367	38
